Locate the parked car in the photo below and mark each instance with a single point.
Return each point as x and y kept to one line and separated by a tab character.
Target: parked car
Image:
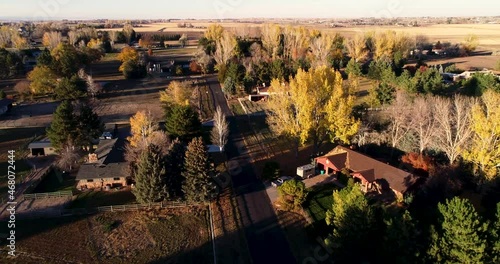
280	181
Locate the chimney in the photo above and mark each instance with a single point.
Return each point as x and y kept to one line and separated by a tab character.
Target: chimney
93	158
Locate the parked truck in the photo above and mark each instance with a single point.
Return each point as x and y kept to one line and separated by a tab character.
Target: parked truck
306	171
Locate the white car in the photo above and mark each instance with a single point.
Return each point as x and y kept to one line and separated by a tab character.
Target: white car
280	181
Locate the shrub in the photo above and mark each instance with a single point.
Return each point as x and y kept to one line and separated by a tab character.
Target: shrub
2	94
292	194
419	162
344	176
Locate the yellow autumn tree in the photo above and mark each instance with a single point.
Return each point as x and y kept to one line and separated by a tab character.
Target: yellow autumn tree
343	125
484	151
308	107
214	32
127	54
142	127
177	93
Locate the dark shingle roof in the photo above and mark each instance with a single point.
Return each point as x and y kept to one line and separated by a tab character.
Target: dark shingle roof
372	169
111	161
40	145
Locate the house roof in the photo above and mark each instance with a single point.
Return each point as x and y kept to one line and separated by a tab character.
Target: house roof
111	161
371	169
99	171
40	145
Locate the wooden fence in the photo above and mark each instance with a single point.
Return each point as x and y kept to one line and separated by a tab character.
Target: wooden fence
125	207
36	196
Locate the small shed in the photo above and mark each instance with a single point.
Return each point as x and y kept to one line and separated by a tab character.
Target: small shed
41	148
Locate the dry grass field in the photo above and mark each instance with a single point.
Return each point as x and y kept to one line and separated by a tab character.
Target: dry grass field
488	34
157	236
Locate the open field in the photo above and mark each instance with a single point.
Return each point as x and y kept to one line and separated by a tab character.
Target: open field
156	236
455	33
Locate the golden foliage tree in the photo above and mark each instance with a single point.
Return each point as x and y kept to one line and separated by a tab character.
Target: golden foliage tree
314	106
214	32
127	54
470	43
225	48
43	80
485	145
177	93
142	128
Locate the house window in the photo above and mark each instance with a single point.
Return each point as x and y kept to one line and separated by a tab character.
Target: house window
116	179
90	180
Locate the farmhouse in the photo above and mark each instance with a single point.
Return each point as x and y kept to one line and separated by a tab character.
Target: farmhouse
105	169
370	173
41	148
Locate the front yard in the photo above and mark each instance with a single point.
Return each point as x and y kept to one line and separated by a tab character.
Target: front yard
91	199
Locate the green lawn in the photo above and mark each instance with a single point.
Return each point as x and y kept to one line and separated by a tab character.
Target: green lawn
56	181
236	108
92	199
319	200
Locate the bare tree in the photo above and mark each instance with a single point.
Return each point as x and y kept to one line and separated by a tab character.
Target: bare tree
128	29
424	123
453	125
68	156
225	48
270	36
113	36
356	48
52	39
321	48
220	131
204	60
22	88
73	37
183	40
93	88
400	118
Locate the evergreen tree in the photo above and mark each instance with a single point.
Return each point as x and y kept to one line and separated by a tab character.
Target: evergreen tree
400	244
494	238
45	59
182	122
149	185
460	234
64	126
90	126
174	162
197	185
229	87
352	220
70	88
353	68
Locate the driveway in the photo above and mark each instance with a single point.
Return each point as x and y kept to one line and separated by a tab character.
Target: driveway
319	180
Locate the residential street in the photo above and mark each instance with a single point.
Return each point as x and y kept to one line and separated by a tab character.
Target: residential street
266	240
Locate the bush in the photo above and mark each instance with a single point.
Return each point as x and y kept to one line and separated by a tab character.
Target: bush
419	162
344	176
271	170
2	94
292	194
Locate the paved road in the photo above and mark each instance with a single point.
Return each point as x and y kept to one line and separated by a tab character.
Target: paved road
266	240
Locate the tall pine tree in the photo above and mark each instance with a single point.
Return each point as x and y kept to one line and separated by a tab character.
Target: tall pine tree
182	122
63	128
90	126
149	185
174	162
460	234
197	185
494	238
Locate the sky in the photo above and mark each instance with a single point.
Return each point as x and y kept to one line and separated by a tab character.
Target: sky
219	9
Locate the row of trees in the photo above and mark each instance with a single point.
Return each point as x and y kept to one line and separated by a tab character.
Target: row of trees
57	72
459	127
364	231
